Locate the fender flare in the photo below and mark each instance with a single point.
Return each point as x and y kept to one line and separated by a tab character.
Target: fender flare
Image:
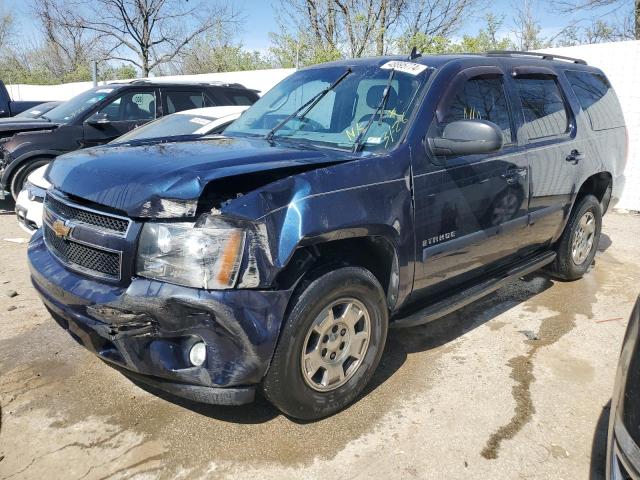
18	162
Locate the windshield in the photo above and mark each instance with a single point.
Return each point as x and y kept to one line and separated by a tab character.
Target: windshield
342	113
171	126
69	110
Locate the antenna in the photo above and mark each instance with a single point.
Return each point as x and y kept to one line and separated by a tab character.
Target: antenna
414	53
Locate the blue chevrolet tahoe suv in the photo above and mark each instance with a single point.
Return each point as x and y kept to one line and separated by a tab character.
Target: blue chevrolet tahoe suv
353	196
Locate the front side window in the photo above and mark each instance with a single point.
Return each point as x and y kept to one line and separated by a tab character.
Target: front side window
341	115
131	106
597	98
543	106
481	98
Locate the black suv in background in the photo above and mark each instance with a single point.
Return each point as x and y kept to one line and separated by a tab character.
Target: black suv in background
353	196
98	116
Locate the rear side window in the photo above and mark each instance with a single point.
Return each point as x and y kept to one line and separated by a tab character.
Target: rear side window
241	99
184	100
543	105
597	98
481	98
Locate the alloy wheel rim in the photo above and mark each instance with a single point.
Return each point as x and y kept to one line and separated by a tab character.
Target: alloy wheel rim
335	345
583	238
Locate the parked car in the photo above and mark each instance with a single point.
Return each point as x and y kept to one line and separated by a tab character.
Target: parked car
34	112
353	195
98	116
623	447
180	126
8	107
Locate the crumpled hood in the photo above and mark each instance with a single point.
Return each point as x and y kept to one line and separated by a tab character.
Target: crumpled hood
166	179
8	125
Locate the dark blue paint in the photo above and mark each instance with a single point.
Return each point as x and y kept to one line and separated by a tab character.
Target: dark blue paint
403	197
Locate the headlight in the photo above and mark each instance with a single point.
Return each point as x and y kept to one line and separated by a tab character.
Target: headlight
181	253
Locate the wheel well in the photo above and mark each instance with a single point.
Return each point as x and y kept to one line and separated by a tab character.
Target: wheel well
23	163
597	186
374	253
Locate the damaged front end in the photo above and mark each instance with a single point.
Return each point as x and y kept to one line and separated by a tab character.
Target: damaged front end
171	286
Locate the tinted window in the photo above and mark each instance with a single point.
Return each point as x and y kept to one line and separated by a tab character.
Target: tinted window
129	107
481	98
186	100
597	98
543	107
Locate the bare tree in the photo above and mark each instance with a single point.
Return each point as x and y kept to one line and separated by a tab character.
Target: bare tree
149	33
6	29
438	18
526	28
630	27
67	47
352	27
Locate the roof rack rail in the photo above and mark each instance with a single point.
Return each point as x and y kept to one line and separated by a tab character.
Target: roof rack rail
542	55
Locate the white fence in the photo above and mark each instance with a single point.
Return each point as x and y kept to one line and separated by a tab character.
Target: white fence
619	60
261	80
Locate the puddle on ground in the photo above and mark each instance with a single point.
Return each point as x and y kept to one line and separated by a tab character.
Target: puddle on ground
601	279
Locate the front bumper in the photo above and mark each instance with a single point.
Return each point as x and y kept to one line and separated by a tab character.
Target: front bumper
146	328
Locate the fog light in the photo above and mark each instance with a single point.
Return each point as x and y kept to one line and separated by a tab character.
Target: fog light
198	354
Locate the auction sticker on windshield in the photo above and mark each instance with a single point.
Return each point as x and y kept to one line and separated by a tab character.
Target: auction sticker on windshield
405	67
200	121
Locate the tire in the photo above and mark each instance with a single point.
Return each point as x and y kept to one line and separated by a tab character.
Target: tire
568	265
20	177
354	293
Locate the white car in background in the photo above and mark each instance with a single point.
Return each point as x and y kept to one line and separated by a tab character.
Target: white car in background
180	126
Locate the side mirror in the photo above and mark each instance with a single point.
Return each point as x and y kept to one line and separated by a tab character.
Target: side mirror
467	137
98	120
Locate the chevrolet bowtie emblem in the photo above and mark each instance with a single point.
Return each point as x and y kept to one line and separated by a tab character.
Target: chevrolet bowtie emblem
61	229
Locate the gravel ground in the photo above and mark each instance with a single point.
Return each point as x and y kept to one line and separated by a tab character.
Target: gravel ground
514	386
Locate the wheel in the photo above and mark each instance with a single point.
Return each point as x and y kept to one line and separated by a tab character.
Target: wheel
330	345
20	177
579	241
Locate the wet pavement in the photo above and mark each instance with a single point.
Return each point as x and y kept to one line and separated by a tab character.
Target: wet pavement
514	386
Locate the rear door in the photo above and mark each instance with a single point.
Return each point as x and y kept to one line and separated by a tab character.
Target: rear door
124	113
470	211
556	158
177	100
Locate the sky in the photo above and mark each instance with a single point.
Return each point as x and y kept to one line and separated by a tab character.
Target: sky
261	19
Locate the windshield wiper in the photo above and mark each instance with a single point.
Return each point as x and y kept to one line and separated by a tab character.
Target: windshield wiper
45	117
357	145
308	106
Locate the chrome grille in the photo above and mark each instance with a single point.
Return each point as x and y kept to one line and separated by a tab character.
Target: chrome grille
78	236
88	217
83	256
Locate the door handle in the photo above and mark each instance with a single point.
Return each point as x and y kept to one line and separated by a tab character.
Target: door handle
513	175
574	157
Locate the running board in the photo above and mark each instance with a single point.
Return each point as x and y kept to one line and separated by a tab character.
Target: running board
471	294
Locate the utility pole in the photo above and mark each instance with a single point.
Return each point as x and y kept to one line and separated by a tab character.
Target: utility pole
94	72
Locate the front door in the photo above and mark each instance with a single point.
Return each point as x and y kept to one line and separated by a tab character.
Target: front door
126	112
471	212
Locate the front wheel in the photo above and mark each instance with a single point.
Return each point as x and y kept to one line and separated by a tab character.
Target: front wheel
579	241
330	345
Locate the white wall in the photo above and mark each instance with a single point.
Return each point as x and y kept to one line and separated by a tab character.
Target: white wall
261	80
620	61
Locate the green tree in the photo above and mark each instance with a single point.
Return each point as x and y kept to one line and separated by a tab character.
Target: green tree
209	55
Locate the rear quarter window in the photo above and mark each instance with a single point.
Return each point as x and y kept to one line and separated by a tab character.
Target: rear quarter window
597	99
543	106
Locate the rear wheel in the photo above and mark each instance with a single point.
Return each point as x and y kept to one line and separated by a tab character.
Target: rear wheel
579	241
330	345
20	177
